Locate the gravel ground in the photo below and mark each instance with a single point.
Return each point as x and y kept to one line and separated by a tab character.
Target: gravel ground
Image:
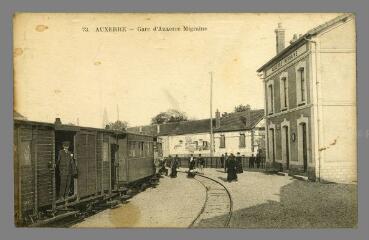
273	201
259	201
175	202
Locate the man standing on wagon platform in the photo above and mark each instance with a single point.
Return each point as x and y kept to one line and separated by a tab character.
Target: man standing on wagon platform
65	165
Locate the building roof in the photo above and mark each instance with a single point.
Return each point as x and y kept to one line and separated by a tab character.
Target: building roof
231	122
308	34
18	116
240	121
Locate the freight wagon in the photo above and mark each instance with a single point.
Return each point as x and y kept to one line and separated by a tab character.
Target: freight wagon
108	162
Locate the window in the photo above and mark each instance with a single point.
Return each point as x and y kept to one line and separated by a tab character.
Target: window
132	149
205	145
301	83
105	151
284	91
242	143
222	141
270	99
196	144
25	153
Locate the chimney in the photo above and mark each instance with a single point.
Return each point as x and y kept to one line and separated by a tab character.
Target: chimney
217	119
58	121
279	34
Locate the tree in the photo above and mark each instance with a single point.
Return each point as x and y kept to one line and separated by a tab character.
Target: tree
170	115
118	125
242	108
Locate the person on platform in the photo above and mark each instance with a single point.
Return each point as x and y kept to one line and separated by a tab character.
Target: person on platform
225	162
173	167
231	168
163	169
252	161
239	163
157	165
258	160
168	164
67	171
201	161
222	161
191	167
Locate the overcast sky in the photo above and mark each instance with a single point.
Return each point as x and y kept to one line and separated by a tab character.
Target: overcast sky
61	71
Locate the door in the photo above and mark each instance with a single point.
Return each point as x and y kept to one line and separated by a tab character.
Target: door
304	145
114	164
272	152
287	146
122	160
86	162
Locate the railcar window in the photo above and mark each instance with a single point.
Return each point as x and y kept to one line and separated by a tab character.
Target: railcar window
105	152
25	153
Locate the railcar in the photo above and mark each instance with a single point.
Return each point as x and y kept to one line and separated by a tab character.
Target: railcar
108	163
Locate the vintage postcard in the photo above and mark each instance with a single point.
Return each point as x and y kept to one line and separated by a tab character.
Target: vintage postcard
185	120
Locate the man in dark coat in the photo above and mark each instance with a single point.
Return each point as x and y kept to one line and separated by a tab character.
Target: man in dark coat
258	160
201	162
231	168
66	167
252	161
191	167
174	165
239	163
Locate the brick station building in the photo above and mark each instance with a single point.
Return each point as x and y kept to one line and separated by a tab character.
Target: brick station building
310	102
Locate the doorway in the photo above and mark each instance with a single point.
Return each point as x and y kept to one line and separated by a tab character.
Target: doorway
287	146
304	145
63	187
114	165
271	146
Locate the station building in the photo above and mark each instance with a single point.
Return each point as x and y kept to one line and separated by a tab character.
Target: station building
233	132
310	102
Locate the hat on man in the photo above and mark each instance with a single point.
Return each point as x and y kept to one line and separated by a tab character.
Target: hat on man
66	144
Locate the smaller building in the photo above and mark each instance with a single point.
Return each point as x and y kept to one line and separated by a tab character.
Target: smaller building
233	132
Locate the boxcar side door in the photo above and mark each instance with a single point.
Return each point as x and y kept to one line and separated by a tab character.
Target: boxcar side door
122	160
86	162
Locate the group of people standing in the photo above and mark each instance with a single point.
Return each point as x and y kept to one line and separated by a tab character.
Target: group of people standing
164	165
232	165
256	161
200	162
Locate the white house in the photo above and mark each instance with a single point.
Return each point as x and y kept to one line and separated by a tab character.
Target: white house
234	132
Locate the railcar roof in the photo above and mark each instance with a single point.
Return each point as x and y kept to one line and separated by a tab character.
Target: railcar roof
73	127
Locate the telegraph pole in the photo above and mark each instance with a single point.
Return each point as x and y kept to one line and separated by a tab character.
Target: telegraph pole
211	117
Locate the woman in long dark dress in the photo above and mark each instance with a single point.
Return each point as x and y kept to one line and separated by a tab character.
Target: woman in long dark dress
231	169
174	166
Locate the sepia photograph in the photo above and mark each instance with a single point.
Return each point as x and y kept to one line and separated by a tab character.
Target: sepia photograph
185	120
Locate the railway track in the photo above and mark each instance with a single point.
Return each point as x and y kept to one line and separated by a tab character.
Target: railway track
218	206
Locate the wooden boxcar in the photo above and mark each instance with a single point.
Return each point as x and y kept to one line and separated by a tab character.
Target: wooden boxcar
106	160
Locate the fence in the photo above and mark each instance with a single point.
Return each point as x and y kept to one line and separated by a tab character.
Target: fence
215	162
